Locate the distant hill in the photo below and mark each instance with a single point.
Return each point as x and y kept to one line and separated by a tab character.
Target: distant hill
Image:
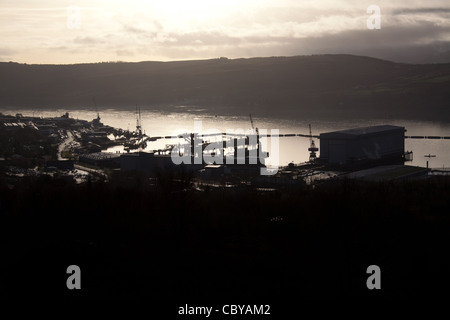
340	86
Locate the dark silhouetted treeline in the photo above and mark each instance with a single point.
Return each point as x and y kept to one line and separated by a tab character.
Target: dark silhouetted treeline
162	243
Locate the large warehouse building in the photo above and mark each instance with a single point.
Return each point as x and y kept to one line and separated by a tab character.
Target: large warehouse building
363	145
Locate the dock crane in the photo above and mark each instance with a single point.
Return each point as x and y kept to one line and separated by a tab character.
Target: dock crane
253	127
257	131
139	142
138	122
312	148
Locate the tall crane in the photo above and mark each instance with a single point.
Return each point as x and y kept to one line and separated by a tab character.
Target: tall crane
255	129
312	148
138	122
139	142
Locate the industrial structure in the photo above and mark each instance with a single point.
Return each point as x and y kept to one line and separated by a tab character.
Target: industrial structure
312	147
371	153
376	144
146	162
101	159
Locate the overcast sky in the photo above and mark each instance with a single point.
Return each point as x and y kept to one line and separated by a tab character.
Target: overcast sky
63	31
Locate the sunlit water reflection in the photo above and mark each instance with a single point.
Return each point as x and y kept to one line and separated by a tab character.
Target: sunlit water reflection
291	149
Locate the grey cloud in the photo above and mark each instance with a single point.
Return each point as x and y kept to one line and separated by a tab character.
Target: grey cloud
420	10
267	15
7	51
419	43
124	53
205	38
59	48
87	40
154	26
171	39
395	34
210	40
134	30
399	43
70	49
421	31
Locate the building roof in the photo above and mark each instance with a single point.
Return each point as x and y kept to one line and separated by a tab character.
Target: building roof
100	156
137	154
351	133
388	173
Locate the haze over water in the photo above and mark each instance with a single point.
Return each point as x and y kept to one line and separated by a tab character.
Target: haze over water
292	149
